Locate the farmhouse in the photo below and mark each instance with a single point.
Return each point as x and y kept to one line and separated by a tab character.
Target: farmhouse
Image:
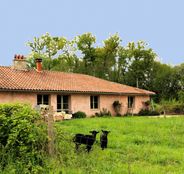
69	92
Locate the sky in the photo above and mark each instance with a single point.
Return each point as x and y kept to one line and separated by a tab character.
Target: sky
160	23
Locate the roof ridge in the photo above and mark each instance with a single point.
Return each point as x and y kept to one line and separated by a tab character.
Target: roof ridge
3	66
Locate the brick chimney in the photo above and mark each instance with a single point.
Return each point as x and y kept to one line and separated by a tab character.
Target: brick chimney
19	62
38	64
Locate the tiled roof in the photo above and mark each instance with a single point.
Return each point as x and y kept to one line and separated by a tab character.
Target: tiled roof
11	79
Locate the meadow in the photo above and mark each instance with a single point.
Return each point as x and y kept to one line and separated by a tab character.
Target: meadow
137	145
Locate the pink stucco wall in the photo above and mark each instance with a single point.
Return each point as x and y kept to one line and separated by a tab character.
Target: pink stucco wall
80	102
77	102
139	103
14	97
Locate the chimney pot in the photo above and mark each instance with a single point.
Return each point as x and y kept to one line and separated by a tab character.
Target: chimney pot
38	64
19	57
19	62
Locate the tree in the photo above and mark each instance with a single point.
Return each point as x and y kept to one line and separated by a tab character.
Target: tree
134	64
85	44
164	82
122	65
179	69
179	78
106	57
68	60
181	96
141	59
46	47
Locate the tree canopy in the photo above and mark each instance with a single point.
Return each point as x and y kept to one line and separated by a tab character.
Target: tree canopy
135	64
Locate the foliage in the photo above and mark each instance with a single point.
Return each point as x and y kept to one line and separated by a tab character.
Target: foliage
122	65
106	57
179	71
164	82
147	112
181	96
45	47
85	45
147	103
22	136
134	64
117	107
170	107
140	68
79	114
103	112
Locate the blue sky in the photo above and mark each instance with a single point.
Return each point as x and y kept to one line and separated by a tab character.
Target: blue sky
158	22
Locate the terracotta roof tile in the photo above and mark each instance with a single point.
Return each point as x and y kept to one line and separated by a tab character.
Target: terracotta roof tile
11	79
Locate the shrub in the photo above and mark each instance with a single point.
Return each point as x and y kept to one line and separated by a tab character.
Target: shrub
154	113
103	112
79	114
146	112
117	107
23	135
171	107
147	103
181	96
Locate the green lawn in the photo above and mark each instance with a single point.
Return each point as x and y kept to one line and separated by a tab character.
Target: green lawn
137	145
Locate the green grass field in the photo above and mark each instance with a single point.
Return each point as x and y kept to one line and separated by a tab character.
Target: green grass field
137	145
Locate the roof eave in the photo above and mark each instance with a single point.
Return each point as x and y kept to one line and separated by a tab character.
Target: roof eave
72	92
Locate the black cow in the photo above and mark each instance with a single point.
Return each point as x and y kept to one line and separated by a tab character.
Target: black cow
85	139
103	139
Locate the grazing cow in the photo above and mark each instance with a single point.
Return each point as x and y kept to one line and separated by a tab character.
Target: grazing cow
103	139
88	140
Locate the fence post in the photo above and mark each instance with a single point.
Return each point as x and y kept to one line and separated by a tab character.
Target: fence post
50	128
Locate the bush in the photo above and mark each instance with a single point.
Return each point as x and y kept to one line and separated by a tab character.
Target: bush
146	112
170	107
103	112
117	107
79	114
154	113
181	96
23	135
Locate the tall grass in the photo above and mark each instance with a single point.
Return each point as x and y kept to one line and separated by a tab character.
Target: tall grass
136	145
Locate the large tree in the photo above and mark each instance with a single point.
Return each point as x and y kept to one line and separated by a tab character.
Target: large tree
140	60
106	57
85	43
164	82
121	65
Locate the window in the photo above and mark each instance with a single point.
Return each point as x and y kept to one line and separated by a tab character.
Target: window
42	99
94	102
62	103
131	101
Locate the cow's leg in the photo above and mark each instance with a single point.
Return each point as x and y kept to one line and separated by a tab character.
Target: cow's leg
77	146
88	147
